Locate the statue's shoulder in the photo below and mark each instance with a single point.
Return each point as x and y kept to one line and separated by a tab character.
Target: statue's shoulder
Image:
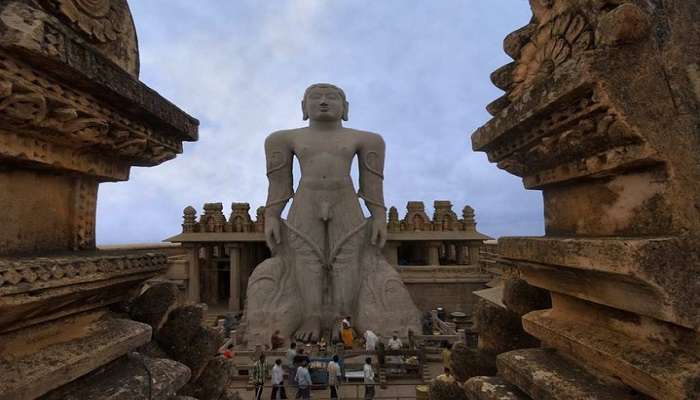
281	137
367	138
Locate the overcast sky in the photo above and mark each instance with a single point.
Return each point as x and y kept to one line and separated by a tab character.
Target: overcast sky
415	71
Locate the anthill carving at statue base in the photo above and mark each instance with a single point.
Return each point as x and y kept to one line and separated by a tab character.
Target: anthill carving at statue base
326	256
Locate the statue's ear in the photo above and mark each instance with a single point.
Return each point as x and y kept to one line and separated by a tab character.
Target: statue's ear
346	108
305	115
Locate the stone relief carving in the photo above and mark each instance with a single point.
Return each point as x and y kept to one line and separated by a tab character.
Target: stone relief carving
51	272
38	104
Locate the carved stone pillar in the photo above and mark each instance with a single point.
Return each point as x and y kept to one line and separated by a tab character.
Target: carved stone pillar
433	249
193	288
461	250
474	252
234	300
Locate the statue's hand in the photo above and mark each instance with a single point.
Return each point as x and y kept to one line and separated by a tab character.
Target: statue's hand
379	232
272	232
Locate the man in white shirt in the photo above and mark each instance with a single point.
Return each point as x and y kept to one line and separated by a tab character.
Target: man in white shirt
334	377
303	379
369	379
278	392
370	341
395	343
397	361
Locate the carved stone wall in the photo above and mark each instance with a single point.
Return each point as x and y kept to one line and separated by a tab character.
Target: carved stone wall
601	112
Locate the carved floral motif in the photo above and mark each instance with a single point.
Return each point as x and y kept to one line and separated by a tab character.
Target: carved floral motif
37	104
99	19
550	46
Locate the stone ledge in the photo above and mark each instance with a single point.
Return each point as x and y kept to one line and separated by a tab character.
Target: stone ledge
37	289
128	378
656	369
657	271
492	388
42	358
545	375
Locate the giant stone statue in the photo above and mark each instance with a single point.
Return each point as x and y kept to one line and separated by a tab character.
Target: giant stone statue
326	257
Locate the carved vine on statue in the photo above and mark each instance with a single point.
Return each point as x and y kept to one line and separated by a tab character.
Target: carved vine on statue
326	260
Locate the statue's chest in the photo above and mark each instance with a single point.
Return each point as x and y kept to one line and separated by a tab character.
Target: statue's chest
340	149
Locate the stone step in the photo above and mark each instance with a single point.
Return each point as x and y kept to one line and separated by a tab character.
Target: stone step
545	375
492	388
131	377
43	357
654	368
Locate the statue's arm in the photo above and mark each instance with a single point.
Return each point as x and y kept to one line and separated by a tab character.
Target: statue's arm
371	163
279	157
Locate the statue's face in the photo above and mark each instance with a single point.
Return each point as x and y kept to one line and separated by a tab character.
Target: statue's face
324	104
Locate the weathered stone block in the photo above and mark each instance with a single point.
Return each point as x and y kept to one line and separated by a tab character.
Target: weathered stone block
623	345
153	306
521	298
213	381
439	390
492	388
500	329
545	375
466	363
132	377
44	357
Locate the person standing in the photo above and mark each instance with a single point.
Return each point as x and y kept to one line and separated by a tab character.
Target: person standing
303	379
395	343
259	374
371	340
368	373
334	377
346	332
278	381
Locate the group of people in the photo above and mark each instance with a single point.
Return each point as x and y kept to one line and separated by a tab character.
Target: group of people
298	369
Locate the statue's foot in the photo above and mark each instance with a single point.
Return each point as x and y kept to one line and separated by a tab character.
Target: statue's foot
310	330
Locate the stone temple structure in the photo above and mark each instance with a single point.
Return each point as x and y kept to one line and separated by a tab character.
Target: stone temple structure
601	112
437	257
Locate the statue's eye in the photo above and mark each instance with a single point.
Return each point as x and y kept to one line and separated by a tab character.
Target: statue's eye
332	96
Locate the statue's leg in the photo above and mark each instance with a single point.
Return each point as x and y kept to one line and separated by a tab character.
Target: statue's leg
309	277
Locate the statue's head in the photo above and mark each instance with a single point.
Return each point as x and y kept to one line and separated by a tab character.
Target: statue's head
324	102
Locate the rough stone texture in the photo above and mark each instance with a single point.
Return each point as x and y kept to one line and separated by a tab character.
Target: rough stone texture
602	113
132	377
326	255
466	363
544	375
586	333
492	388
153	306
439	390
500	329
521	298
185	339
211	384
37	289
44	357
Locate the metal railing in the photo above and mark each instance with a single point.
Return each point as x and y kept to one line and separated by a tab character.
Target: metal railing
357	391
